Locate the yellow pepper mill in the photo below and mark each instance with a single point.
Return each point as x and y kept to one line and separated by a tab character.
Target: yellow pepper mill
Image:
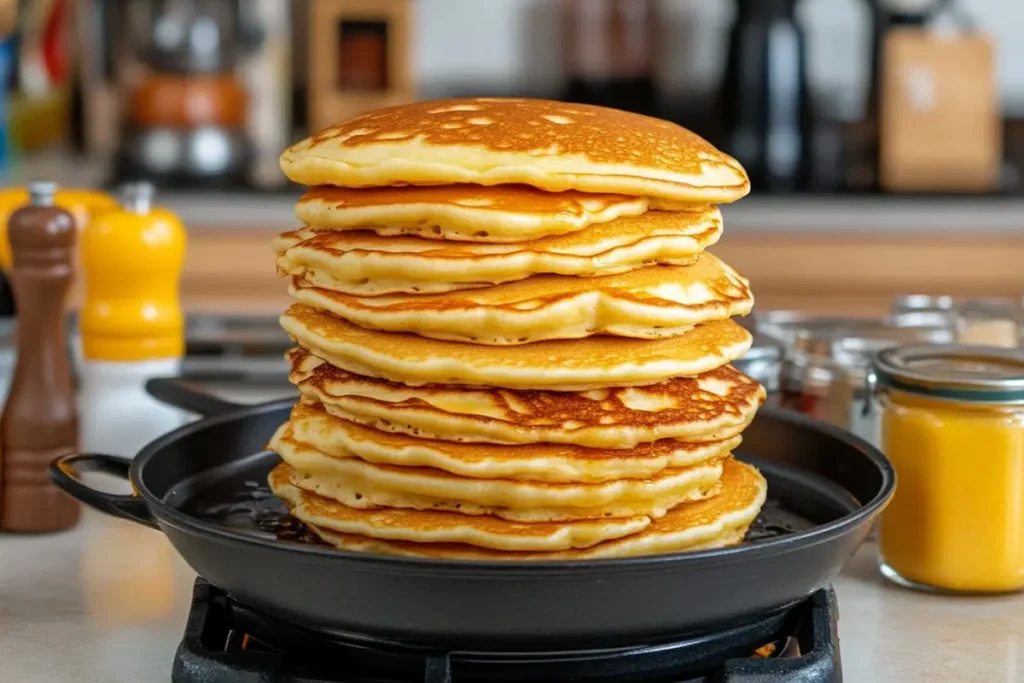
131	323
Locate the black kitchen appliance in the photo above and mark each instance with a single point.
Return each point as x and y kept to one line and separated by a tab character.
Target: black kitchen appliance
228	641
204	486
764	103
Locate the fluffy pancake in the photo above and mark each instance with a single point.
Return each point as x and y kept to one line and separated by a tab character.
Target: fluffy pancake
714	522
559	463
462	551
361	484
362	263
647	303
467	213
564	365
431	526
712	406
365	495
550	145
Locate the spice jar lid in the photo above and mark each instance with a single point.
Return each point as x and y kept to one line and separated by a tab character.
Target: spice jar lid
907	303
983	374
932	318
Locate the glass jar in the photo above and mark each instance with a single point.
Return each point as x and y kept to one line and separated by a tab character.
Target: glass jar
825	376
921	303
785	325
985	322
952	423
989	322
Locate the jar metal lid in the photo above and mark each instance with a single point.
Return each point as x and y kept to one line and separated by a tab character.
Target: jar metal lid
982	374
931	318
907	303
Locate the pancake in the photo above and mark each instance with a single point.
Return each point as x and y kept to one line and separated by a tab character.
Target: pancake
558	463
715	522
368	496
493	141
564	365
362	263
715	405
465	213
431	526
360	484
461	551
648	303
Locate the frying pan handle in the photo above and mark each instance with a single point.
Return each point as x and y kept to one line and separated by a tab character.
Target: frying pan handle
65	473
175	392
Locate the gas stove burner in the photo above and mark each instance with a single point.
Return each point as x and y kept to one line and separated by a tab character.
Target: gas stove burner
226	642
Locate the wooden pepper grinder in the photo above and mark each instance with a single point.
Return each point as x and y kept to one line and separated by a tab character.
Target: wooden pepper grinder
40	420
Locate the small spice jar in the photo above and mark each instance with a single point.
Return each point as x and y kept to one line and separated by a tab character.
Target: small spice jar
952	423
922	303
825	376
985	322
990	322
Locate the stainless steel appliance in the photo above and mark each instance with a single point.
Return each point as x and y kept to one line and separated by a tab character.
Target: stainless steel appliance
186	115
187	92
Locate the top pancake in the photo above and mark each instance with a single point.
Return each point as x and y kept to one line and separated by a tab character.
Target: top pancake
462	213
550	145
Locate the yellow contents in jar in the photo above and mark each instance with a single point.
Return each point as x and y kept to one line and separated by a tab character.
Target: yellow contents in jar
956	521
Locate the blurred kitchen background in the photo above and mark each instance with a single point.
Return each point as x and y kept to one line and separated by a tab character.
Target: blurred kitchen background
884	138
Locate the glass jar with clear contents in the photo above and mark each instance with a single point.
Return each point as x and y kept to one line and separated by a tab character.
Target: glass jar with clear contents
993	322
952	423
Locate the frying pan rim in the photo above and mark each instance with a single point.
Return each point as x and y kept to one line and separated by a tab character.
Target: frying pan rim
166	514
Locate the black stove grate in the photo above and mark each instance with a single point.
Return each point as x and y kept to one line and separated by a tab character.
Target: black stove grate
226	642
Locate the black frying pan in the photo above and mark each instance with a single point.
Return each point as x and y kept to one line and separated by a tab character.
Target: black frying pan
198	485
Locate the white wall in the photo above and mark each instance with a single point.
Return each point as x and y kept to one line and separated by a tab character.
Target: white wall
515	44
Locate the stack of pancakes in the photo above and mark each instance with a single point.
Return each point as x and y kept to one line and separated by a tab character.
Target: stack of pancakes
511	342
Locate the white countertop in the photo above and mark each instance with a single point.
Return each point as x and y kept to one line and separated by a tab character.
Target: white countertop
106	603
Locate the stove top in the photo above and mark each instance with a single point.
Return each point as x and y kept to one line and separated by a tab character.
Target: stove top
226	642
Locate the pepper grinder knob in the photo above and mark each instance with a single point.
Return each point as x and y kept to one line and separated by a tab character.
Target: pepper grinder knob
40	420
137	197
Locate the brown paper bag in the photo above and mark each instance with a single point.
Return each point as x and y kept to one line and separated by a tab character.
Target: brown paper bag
940	125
